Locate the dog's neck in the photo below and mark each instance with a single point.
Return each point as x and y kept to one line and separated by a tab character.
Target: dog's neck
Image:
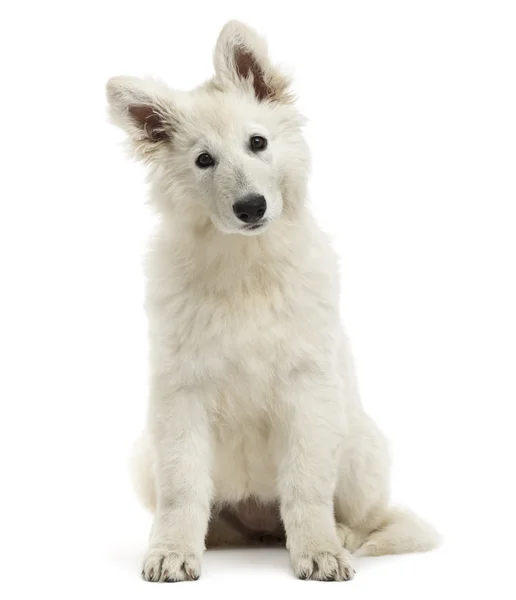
198	249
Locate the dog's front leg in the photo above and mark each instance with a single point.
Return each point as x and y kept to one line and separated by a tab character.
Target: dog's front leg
181	436
309	441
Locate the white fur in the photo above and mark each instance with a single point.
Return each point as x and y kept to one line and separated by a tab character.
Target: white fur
252	391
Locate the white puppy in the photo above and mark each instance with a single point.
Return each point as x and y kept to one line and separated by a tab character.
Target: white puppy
255	430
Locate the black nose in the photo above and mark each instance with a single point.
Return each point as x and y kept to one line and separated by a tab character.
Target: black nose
251	208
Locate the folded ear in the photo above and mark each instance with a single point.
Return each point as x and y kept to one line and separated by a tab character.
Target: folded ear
144	109
241	58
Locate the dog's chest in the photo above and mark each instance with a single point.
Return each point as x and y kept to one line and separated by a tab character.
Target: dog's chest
238	333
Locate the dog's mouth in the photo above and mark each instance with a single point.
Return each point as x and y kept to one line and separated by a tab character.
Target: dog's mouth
255	226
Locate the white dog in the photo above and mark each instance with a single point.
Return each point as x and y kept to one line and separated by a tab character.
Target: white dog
255	430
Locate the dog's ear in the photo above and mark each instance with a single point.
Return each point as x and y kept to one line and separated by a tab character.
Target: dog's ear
241	59
144	109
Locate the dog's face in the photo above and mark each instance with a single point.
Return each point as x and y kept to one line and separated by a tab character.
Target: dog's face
233	146
230	157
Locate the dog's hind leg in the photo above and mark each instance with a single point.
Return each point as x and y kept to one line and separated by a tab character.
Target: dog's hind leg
351	539
366	523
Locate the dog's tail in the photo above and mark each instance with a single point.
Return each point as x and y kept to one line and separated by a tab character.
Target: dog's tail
401	532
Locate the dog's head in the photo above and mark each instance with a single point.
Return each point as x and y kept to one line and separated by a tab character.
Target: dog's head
232	146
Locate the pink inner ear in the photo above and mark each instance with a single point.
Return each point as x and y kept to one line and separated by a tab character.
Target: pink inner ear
150	121
246	63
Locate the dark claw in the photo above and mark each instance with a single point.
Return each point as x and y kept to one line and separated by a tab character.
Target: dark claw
315	567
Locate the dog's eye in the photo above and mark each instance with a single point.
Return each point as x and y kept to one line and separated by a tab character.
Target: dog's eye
257	143
204	161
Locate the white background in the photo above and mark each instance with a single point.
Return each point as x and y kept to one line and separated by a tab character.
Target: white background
412	108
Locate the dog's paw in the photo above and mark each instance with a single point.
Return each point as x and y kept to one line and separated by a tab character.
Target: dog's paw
168	566
324	566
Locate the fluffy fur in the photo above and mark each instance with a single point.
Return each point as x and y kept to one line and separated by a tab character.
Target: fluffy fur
255	427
